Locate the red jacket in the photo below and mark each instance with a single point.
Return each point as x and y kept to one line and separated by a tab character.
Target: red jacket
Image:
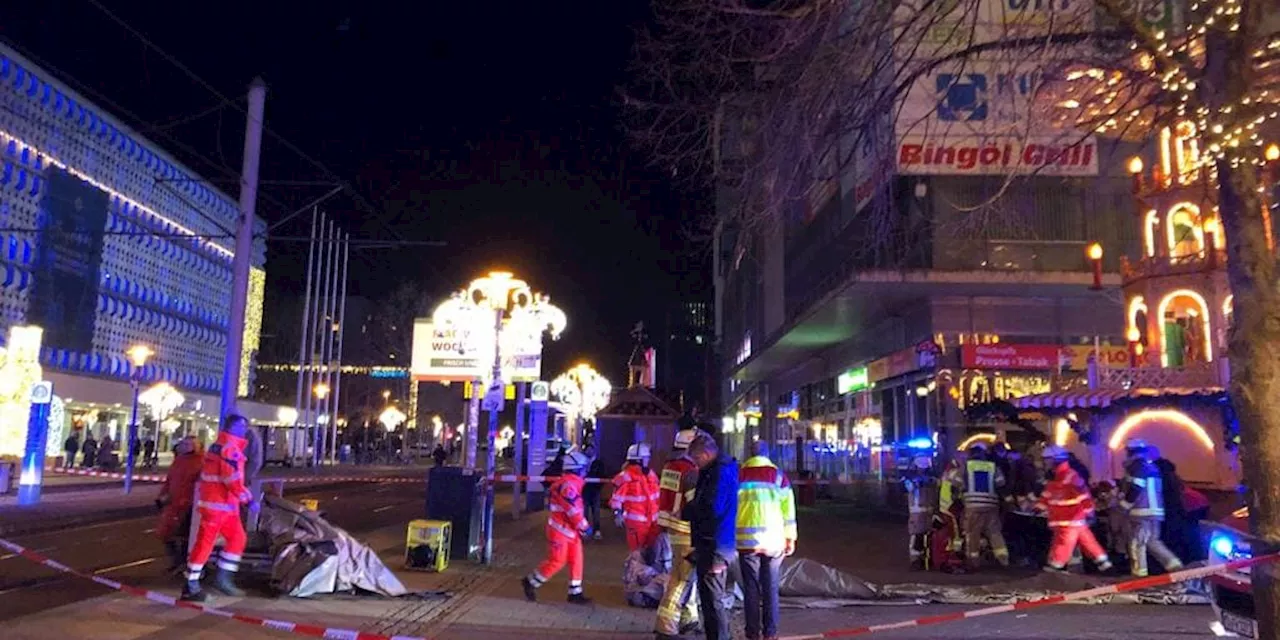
675	490
1066	498
221	487
635	494
179	487
567	519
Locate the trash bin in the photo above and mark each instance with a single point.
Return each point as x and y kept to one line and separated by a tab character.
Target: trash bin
8	477
455	495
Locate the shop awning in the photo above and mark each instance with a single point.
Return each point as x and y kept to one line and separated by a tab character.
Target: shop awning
1101	398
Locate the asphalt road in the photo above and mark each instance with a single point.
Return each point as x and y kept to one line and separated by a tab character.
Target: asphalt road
129	551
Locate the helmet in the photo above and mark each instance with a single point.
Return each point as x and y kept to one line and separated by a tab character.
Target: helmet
979	445
1054	452
684	438
638	451
575	460
922	462
1136	446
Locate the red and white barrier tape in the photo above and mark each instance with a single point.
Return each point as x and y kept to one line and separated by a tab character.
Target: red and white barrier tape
311	630
147	477
1120	587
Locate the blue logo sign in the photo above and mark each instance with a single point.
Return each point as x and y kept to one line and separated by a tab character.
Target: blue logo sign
962	97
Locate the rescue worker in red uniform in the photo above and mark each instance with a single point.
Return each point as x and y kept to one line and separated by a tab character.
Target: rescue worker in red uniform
1069	505
219	494
177	493
635	498
566	527
678	610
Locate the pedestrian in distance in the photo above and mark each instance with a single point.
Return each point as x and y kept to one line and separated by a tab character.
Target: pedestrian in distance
220	492
566	527
71	447
712	517
766	533
591	492
90	451
149	452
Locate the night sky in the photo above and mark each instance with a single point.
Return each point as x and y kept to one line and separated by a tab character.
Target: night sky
492	126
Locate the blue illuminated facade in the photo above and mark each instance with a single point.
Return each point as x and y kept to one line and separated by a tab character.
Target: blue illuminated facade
107	242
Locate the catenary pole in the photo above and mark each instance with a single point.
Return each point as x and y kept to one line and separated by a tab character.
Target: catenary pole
294	433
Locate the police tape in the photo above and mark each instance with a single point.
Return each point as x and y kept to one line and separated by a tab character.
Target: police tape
146	477
512	478
311	630
1112	589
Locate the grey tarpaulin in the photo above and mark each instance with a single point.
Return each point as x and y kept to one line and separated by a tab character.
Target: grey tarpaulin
806	578
311	556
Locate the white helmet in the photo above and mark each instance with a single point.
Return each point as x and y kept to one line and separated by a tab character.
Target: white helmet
639	451
576	460
1054	452
684	438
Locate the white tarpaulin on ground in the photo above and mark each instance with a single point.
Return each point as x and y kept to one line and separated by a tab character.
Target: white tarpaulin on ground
311	556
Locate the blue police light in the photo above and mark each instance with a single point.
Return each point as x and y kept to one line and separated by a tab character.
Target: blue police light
1222	545
920	443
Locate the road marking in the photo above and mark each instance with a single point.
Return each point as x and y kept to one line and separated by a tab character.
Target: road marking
381	509
137	563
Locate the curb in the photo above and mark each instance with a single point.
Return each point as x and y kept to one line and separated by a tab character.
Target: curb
55	523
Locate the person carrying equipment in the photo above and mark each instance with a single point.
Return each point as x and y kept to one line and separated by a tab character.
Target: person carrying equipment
566	527
1069	505
635	498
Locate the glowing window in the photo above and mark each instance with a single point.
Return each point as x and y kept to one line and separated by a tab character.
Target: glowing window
1186	237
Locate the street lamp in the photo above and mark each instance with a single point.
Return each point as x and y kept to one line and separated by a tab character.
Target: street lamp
391	418
1094	252
321	391
138	355
583	389
519	317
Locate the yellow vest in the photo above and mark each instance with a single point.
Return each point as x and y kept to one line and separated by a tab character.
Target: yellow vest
766	507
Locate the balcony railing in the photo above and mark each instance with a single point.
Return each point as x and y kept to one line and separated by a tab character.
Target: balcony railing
1205	374
1154	266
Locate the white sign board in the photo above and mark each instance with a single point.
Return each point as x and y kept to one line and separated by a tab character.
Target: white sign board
540	391
458	354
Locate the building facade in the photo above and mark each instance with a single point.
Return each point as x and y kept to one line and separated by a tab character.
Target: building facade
107	243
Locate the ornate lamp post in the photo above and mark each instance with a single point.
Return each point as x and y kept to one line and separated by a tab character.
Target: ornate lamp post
321	391
138	355
519	317
162	399
391	418
584	389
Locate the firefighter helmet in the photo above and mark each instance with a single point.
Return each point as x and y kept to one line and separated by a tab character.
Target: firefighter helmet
1136	447
923	463
575	461
638	451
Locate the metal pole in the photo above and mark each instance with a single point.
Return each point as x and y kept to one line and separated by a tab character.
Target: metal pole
521	387
133	433
327	350
294	433
491	460
244	248
317	341
309	418
342	330
473	425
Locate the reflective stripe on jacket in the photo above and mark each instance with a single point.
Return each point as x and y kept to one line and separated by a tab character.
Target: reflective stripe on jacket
981	480
221	486
676	487
766	507
1066	499
566	519
635	494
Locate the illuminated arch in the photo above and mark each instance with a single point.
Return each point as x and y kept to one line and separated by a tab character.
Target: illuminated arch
1149	226
1204	313
988	438
1137	304
1192	214
1227	309
1163	415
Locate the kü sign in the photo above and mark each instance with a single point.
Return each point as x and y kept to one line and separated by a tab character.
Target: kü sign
1012	357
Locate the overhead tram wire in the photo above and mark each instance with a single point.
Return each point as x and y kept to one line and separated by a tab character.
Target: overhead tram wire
328	174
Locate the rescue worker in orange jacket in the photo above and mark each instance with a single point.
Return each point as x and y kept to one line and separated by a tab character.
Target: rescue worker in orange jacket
678	610
219	494
1069	505
566	526
177	493
635	498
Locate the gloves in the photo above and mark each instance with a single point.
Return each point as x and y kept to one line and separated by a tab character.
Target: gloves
617	519
586	533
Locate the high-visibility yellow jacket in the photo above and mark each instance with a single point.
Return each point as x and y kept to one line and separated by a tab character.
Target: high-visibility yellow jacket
766	508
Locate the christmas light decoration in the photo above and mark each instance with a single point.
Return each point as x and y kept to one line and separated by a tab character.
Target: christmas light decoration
252	326
1166	416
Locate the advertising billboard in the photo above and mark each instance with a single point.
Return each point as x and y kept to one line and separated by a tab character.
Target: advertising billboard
459	353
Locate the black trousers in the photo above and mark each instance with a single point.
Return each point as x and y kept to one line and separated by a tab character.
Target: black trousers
713	583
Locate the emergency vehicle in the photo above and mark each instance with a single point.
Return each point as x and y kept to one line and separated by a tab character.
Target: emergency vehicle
1231	592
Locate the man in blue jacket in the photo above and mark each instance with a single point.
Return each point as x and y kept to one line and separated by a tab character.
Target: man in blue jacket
712	517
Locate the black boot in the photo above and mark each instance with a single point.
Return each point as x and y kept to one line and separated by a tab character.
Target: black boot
578	598
191	592
225	582
177	556
530	591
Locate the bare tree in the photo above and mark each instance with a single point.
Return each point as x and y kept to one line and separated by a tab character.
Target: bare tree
781	102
